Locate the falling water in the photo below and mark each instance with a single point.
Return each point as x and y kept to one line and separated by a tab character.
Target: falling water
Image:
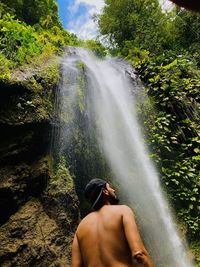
110	104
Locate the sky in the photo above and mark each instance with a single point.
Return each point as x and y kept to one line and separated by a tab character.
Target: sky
76	16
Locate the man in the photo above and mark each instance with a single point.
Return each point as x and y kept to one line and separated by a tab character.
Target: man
108	237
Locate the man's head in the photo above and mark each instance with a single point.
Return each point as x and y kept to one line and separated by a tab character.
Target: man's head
98	192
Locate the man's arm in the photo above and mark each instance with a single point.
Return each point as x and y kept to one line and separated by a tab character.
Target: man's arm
76	254
140	256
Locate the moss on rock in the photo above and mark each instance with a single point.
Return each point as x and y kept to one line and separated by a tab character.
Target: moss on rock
27	96
62	180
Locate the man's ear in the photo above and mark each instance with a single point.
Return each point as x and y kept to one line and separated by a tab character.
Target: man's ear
105	191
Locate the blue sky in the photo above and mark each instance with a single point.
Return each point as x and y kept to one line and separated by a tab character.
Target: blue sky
76	16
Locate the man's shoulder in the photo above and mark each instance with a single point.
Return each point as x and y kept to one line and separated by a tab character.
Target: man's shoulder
87	218
126	208
119	209
86	222
115	208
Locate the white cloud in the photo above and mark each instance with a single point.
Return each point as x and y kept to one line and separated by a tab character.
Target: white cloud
97	3
83	25
166	5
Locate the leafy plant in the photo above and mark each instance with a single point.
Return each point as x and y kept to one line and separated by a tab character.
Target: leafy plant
18	41
172	129
5	65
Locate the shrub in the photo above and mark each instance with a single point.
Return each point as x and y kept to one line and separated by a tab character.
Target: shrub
18	42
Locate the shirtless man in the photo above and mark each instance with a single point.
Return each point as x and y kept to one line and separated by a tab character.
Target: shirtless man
108	237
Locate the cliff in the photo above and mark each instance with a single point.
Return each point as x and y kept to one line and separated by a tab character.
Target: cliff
36	222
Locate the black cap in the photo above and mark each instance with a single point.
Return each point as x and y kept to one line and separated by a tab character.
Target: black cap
93	191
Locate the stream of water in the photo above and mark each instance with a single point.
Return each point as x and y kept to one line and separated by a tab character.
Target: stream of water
110	104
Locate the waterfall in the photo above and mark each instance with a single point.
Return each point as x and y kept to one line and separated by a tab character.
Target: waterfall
110	105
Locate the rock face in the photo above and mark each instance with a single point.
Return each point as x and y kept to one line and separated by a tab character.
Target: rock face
31	238
35	236
20	182
36	223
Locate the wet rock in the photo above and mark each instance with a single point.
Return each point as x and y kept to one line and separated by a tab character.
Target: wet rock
36	224
28	239
23	142
63	208
19	183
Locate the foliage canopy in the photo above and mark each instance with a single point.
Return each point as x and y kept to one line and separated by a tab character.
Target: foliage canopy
27	32
44	12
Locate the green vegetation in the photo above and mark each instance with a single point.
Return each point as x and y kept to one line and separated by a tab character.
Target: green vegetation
133	24
98	49
4	67
44	13
164	49
31	33
173	131
62	180
124	21
31	39
26	38
18	41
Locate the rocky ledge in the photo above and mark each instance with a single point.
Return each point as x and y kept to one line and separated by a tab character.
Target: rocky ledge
36	222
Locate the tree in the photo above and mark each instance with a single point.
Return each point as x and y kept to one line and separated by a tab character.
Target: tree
141	22
32	12
188	25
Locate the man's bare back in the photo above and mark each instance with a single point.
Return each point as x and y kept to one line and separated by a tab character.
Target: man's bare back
101	237
109	237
